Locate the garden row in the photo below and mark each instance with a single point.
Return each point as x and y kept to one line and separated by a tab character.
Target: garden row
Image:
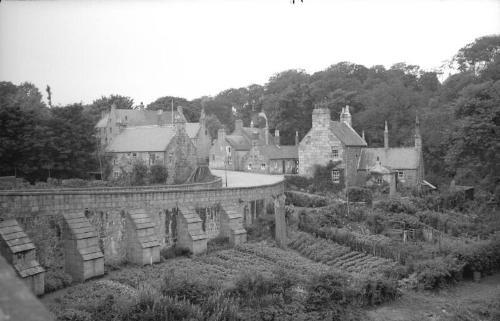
339	257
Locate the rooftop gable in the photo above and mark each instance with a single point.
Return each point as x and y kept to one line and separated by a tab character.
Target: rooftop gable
346	134
393	158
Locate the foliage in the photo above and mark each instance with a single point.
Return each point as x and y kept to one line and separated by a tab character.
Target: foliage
396	206
158	174
218	243
74	315
322	178
438	272
139	174
175	251
359	194
56	279
304	199
296	182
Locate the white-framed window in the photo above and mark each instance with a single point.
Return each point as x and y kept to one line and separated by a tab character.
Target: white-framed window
229	160
401	175
379	180
336	176
335	153
114	161
152	158
116	174
250	166
134	154
263	166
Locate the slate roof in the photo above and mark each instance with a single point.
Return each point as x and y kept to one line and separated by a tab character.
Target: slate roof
15	237
238	142
279	152
147	138
393	158
134	117
346	134
142	139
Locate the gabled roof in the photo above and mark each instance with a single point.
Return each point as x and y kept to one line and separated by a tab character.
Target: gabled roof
238	142
393	158
346	134
135	117
192	129
142	139
279	152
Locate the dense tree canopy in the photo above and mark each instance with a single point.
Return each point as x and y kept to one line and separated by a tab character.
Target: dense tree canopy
460	117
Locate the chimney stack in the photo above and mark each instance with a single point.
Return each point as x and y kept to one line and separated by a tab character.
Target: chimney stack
418	138
221	135
238	124
386	136
345	116
277	137
296	138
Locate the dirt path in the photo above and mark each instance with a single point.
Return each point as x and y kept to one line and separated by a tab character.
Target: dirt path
466	301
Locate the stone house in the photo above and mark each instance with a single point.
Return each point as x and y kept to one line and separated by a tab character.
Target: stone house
170	146
334	141
406	162
272	158
338	142
253	149
112	125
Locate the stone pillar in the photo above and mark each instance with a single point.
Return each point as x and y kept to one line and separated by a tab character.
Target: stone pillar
392	184
279	220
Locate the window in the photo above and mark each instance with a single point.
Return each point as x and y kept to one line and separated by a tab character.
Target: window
229	160
116	174
401	175
206	132
262	166
152	158
134	154
110	129
254	143
335	152
379	180
250	166
114	161
308	140
336	176
125	118
213	157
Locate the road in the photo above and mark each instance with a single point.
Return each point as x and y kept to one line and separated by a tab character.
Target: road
243	179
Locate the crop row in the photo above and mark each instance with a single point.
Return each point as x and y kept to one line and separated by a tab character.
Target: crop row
338	256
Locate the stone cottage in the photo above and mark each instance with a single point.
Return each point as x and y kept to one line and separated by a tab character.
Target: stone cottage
272	158
338	142
406	162
112	124
169	145
252	149
334	141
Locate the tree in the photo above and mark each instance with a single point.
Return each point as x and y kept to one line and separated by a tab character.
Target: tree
104	104
139	174
213	125
158	174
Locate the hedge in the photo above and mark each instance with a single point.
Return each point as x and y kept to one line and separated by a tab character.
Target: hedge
304	199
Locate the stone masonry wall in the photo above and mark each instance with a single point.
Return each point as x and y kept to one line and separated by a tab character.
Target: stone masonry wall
40	213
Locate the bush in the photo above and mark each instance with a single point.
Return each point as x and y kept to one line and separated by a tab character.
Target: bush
297	182
175	251
158	174
74	315
305	200
376	290
438	272
74	182
396	206
56	279
322	178
218	243
139	174
359	194
194	290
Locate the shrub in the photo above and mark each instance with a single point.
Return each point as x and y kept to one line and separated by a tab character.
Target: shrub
139	174
305	200
322	178
175	251
375	290
396	206
328	291
158	174
359	194
74	315
438	272
73	182
297	182
194	290
218	243
56	279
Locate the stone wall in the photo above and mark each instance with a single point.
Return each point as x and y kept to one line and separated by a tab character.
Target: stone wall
40	213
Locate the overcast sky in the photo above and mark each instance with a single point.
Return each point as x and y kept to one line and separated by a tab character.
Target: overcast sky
149	49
